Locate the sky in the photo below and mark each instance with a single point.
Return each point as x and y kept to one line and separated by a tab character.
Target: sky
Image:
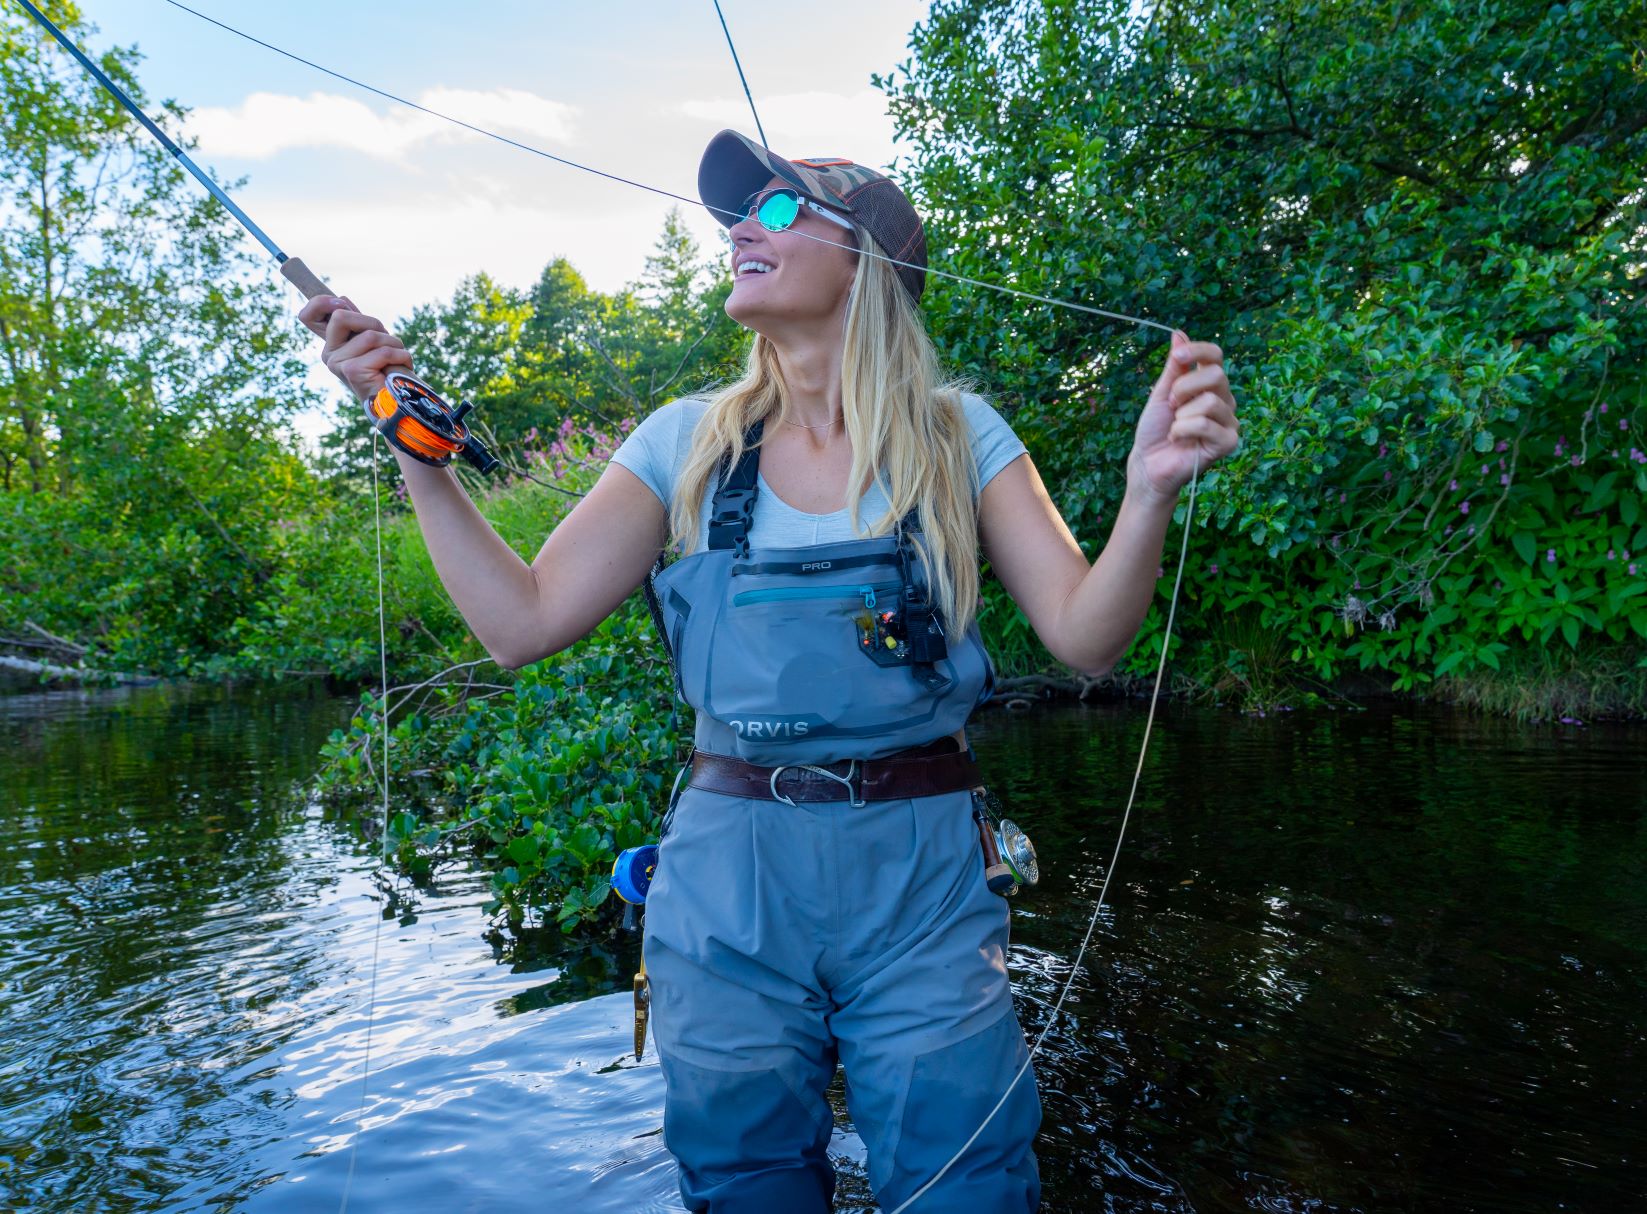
394	208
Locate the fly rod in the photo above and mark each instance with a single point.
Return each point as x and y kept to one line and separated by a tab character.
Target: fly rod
405	410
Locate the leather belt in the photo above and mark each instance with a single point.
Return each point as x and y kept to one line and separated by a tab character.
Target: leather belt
856	781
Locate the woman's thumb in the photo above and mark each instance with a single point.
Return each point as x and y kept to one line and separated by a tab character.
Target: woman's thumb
1173	368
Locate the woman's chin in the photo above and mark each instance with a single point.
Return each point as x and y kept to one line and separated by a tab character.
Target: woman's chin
746	305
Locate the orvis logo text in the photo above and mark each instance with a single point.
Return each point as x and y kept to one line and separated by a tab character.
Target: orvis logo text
753	728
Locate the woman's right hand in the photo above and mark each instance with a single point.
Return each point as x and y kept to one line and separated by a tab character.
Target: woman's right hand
359	350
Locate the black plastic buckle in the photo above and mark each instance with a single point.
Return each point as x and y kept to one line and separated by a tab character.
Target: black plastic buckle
734	510
923	631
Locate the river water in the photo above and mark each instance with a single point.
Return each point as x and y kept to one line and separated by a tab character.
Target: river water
1380	960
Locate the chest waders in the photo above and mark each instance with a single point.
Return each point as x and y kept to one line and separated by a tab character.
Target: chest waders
808	655
782	938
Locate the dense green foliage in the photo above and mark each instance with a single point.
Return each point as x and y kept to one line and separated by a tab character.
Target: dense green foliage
146	374
543	782
1417	233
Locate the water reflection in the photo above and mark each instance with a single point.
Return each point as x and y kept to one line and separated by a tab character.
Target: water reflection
1333	973
1388	960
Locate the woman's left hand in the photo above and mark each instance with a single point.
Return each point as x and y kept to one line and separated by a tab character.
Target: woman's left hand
1188	420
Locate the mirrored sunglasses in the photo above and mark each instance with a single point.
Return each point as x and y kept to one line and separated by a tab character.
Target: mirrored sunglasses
777	208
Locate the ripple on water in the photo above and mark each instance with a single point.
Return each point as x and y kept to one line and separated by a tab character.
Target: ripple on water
1385	961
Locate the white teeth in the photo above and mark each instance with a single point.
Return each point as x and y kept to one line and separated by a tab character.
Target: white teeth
759	267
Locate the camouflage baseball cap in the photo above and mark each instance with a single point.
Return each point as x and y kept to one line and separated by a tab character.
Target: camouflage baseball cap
734	167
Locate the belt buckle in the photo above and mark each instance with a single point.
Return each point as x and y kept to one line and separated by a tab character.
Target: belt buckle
853	780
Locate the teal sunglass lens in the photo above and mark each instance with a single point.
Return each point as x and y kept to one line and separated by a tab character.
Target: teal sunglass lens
778	211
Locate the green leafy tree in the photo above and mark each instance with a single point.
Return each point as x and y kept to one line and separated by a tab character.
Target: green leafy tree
146	370
1417	232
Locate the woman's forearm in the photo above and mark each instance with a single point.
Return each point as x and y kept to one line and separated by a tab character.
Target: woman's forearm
1102	614
494	590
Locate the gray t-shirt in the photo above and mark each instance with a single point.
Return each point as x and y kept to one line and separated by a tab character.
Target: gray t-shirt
656	450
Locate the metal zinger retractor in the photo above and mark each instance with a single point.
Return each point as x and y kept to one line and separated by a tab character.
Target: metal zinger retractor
1009	856
414	419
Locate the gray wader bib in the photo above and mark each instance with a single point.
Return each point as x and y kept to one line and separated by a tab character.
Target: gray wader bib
781	939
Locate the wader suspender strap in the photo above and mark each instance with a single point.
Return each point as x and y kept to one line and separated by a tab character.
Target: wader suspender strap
733	510
922	628
729	519
730	515
733	513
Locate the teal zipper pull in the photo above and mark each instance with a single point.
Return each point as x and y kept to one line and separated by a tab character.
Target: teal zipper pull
869	597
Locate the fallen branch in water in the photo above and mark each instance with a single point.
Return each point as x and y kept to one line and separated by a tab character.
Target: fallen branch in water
67	646
1023	691
27	666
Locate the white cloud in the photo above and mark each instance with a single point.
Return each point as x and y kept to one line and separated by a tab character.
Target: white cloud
266	124
854	125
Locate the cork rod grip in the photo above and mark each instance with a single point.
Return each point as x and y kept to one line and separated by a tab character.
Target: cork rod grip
303	278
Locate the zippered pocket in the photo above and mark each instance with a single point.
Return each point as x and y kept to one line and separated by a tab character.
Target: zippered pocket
868	593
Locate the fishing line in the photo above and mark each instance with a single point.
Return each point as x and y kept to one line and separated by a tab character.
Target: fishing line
406	414
652	189
1126	814
383	836
1115	856
294	269
744	80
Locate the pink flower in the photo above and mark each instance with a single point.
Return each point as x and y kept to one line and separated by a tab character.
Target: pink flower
1623	423
1632	568
1452	486
1502	446
1549	556
1604	407
1464	507
1576	460
1383	449
1611	555
1212	568
1160	572
1504	478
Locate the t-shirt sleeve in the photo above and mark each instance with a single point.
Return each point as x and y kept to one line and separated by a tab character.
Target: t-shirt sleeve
994	444
652	450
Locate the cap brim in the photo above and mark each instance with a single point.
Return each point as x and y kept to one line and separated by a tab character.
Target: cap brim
734	167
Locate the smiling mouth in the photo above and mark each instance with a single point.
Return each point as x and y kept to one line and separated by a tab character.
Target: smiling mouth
748	270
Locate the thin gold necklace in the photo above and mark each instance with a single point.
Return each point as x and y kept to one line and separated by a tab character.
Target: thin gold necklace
819	426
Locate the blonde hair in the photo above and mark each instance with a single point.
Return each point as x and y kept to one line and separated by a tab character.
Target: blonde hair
906	424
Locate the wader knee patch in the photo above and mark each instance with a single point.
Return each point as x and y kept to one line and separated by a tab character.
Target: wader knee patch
951	1090
745	1141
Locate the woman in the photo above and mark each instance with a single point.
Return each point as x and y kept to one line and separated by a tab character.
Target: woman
820	894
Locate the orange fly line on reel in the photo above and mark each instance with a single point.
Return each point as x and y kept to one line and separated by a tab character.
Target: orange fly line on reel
414	419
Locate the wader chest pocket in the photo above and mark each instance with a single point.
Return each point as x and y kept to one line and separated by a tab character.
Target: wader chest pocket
877	621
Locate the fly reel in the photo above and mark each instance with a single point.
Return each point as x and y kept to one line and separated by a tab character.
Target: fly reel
1009	856
414	419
